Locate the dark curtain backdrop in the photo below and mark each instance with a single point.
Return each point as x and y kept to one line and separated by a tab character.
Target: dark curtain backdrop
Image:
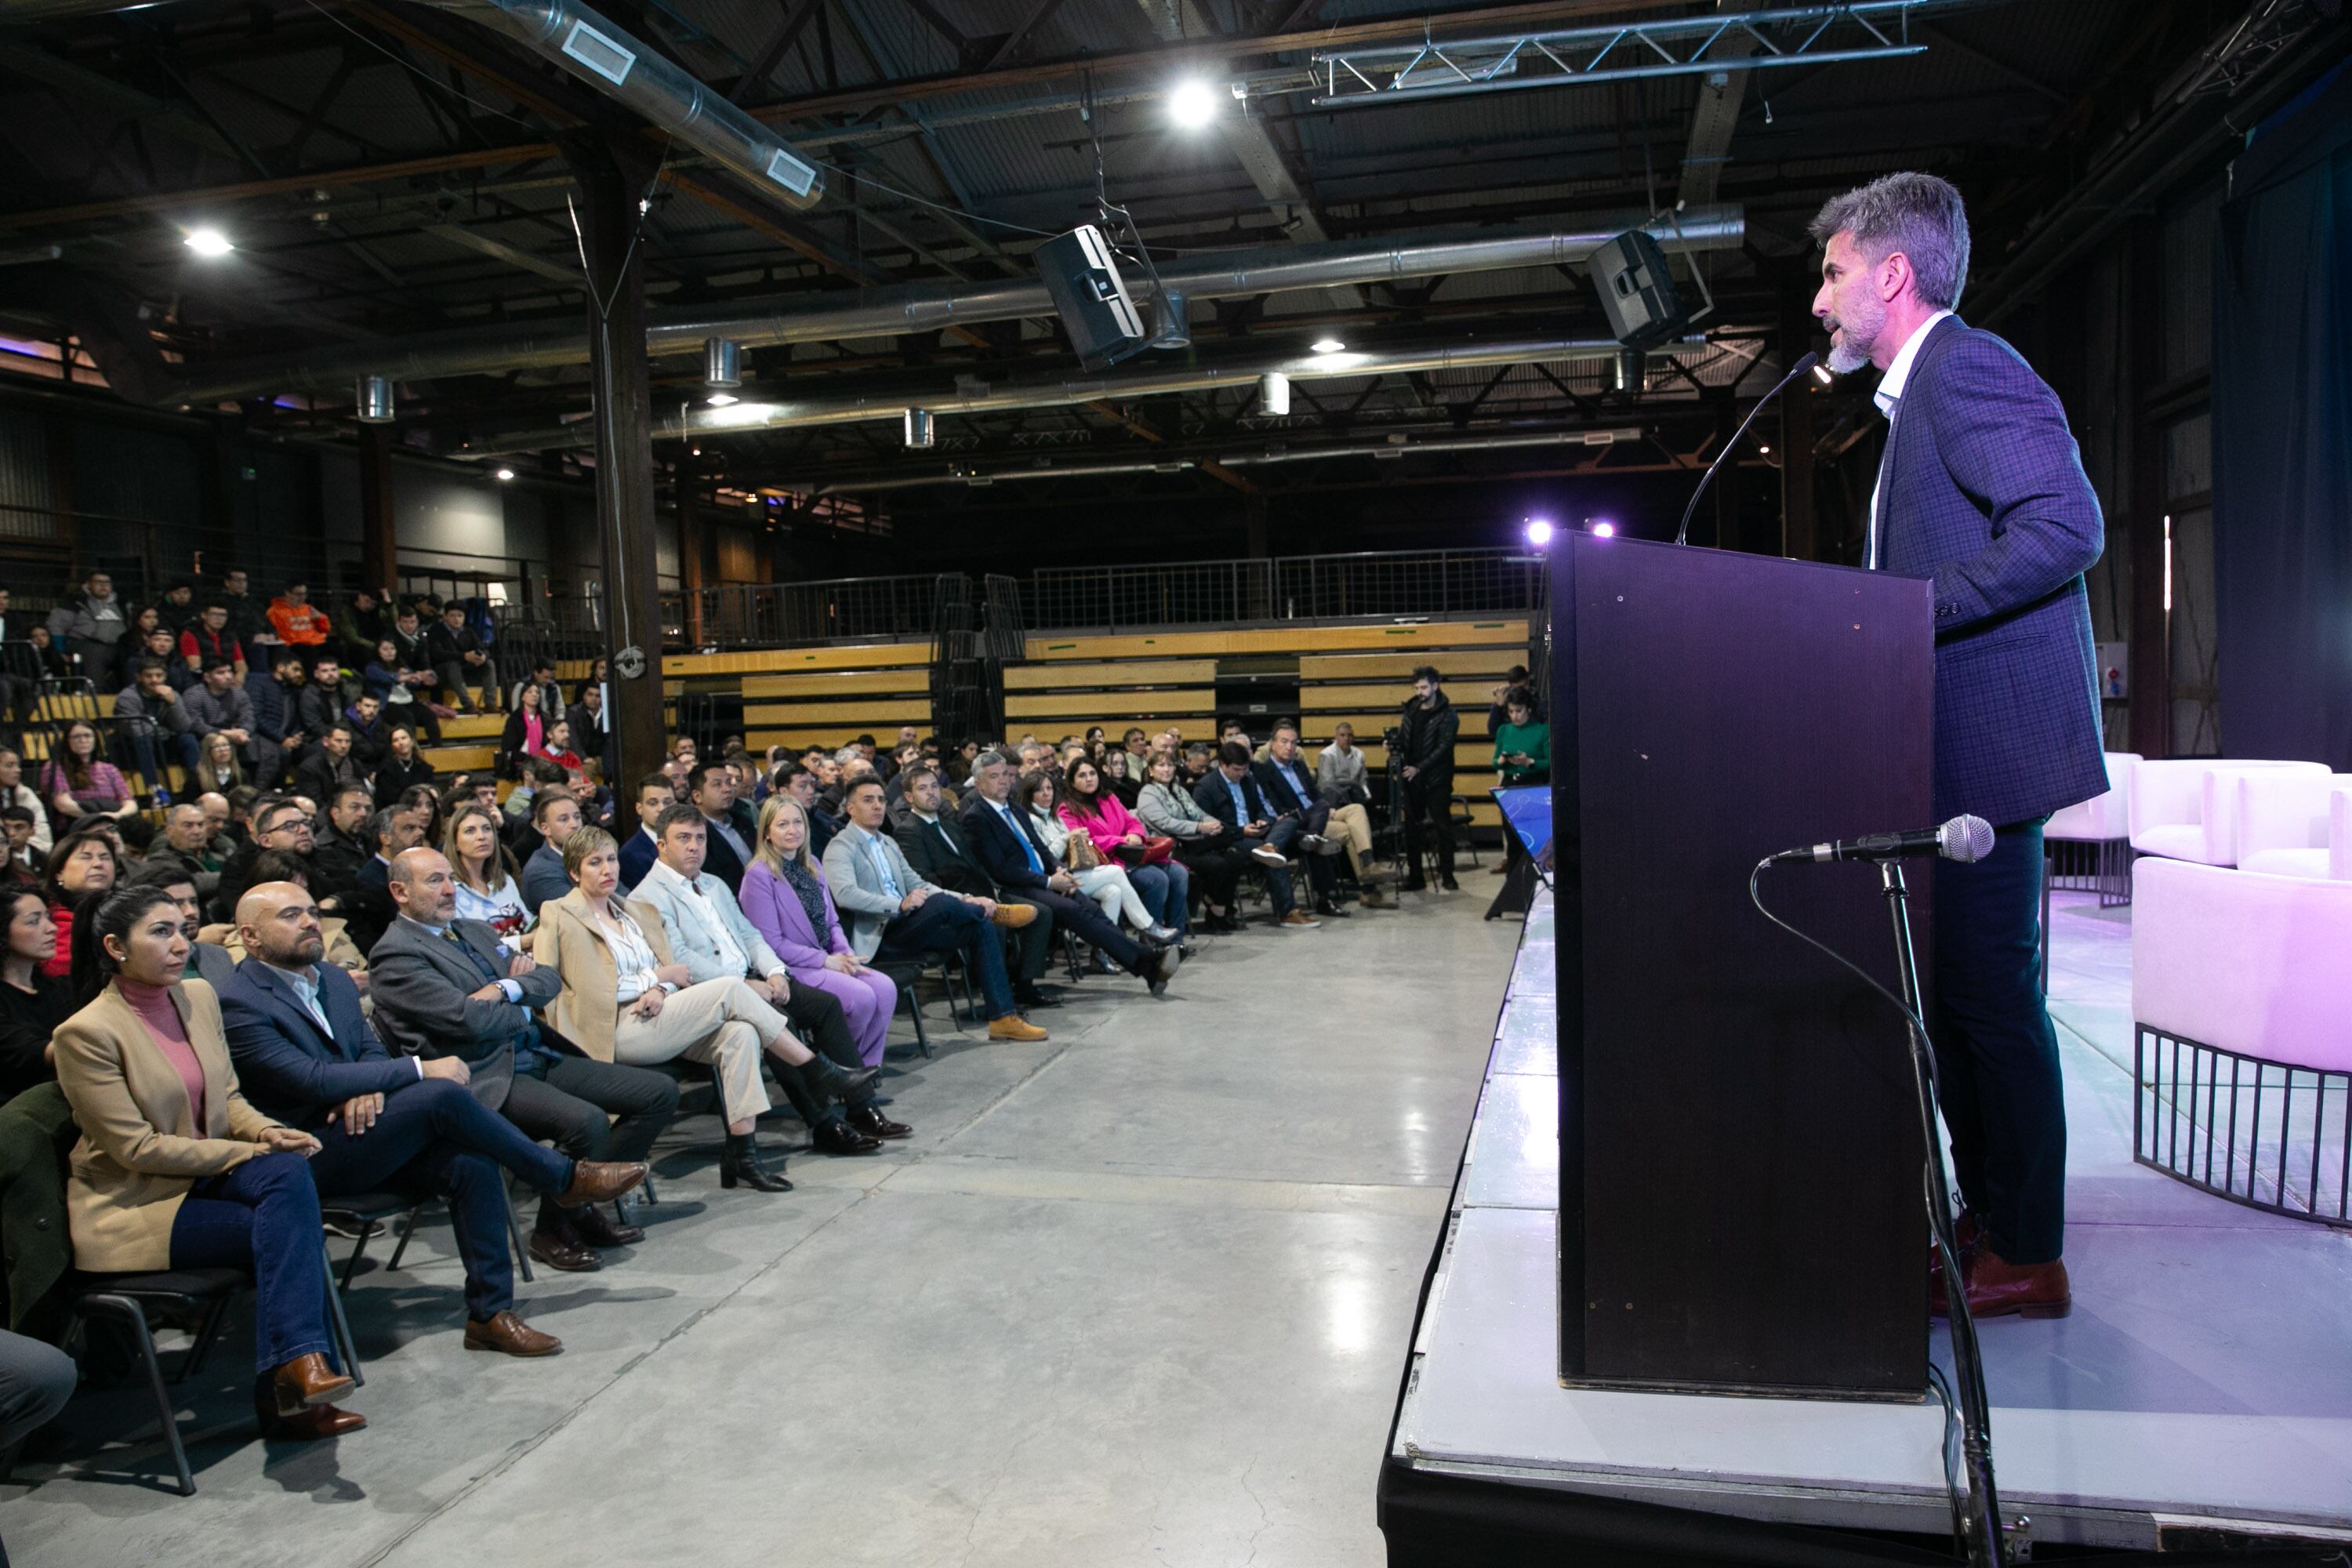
2283	436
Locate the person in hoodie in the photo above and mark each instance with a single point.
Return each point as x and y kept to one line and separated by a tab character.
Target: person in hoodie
90	626
1426	759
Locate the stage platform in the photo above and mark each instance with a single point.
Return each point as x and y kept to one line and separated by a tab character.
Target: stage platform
2201	1391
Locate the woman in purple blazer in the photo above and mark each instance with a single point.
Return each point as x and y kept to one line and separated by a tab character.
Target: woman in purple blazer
785	898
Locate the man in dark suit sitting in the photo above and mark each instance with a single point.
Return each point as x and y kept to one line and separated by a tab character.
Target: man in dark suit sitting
1981	490
1287	783
1018	860
304	1052
638	854
935	847
1230	793
447	987
711	787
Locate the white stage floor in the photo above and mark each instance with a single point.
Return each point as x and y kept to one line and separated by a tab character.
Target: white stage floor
2203	1379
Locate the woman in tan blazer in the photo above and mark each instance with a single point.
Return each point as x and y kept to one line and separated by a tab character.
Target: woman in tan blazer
626	1000
176	1170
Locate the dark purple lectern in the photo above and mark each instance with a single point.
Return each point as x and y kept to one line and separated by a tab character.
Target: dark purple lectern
1740	1203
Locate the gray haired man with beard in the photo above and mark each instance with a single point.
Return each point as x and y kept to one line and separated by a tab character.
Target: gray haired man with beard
1981	492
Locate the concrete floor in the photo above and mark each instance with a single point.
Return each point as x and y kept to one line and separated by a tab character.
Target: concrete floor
1137	1295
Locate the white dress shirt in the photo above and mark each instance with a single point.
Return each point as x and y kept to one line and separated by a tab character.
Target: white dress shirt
1888	395
305	985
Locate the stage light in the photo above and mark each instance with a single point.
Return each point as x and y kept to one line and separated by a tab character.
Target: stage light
209	242
1538	532
1822	374
1327	346
1765	447
1604	528
722	399
506	473
1191	105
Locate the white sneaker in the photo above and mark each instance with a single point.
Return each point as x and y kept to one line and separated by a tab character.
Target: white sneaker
1267	855
1161	934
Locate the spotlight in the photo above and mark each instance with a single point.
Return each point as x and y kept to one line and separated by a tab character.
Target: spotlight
1604	528
1327	346
1538	532
722	399
1822	374
1191	105
209	242
506	473
1765	447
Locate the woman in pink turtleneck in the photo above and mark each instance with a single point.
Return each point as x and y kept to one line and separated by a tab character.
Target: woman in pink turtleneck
175	1169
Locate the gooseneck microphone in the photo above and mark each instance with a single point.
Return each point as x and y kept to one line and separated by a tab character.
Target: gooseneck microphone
1804	363
1962	839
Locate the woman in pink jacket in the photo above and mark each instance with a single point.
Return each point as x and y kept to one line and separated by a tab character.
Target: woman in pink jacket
785	898
1089	809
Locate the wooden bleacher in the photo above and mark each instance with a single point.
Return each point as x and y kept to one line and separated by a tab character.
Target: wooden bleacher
1358	673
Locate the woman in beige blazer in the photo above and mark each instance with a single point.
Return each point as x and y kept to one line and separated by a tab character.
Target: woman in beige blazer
626	1000
176	1170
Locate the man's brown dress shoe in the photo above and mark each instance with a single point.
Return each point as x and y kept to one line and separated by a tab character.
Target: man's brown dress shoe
565	1253
305	1381
1014	917
307	1425
596	1229
509	1335
2000	1288
594	1182
1014	1027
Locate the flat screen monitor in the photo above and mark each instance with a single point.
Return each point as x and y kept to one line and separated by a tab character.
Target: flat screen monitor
1527	812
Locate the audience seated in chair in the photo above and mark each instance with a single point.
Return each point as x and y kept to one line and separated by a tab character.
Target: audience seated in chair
789	906
1231	794
307	1056
934	844
1089	806
624	997
709	934
1213	853
1287	784
450	987
655	796
1103	881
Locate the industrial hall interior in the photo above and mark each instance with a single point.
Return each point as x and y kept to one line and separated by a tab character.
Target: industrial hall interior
1444	784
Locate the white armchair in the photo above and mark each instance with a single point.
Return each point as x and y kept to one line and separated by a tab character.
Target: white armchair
2293	824
2103	816
2186	808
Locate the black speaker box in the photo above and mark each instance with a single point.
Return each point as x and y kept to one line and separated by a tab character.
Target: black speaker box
1637	291
1082	275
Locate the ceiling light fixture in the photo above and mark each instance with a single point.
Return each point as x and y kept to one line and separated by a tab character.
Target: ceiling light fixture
1327	346
1191	104
209	242
721	399
1538	531
506	473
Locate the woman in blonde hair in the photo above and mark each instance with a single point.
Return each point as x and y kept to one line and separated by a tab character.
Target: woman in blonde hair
489	886
218	768
788	901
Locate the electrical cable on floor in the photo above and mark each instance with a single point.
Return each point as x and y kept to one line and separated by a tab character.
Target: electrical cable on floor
1981	1540
1954	1487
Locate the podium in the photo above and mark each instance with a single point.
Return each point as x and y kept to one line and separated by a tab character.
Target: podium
1740	1205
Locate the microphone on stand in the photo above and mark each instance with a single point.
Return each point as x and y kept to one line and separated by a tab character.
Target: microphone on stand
1963	838
1682	534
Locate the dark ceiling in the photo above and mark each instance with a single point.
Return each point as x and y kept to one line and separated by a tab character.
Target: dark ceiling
386	169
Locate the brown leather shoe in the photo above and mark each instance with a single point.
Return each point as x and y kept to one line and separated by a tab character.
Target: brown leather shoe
1298	919
311	1426
2000	1288
600	1183
305	1381
509	1335
1013	917
563	1254
596	1229
1014	1027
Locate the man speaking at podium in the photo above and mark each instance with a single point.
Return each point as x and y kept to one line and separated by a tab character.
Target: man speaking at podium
1982	491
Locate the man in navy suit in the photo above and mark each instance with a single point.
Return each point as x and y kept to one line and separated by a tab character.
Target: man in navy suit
711	787
1982	491
304	1051
638	854
1018	860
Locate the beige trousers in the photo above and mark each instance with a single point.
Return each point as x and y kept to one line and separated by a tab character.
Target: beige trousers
1353	828
720	1022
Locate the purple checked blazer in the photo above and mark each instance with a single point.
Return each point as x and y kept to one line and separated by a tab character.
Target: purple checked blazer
775	912
1982	491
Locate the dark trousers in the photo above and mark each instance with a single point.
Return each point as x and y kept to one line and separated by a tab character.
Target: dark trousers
264	1217
817	1018
1026	949
96	661
1215	871
1281	836
567	1104
455	691
941	923
36	1380
418	718
148	751
1322	876
1996	1053
436	1137
1084	916
1429	802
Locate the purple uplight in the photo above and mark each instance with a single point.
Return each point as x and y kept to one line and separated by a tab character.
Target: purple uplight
1604	530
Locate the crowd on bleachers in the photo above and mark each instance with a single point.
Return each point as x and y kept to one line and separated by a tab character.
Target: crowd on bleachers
283	962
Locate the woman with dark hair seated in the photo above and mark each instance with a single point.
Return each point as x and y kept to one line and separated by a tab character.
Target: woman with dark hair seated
80	864
174	1168
33	1003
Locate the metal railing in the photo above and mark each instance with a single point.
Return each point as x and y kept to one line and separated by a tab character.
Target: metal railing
1293	587
838	609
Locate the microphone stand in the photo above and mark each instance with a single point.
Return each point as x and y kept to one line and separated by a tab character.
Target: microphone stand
1682	534
1984	1534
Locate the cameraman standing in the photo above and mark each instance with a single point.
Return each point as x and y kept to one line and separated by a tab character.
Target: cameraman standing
1425	762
